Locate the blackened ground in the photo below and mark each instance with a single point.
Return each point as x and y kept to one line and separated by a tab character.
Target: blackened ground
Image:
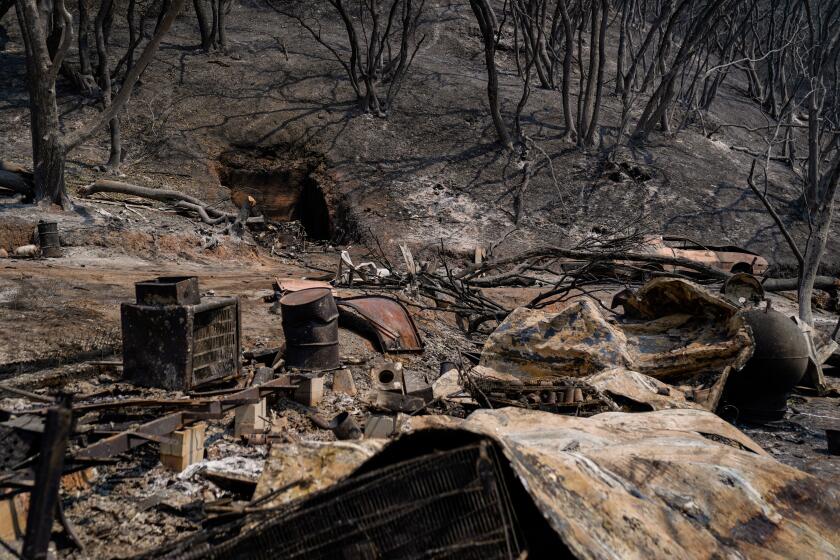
800	439
432	170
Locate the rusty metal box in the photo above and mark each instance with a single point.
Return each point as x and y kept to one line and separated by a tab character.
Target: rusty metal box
180	347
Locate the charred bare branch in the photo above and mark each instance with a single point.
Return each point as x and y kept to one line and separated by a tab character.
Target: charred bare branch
379	46
207	213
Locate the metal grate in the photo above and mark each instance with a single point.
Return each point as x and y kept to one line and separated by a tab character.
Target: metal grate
450	504
214	343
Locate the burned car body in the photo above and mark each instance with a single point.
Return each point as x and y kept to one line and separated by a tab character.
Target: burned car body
727	258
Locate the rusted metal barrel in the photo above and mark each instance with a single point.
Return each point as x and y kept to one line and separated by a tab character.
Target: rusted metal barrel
48	239
310	325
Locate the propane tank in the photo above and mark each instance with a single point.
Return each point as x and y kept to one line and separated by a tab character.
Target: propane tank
760	390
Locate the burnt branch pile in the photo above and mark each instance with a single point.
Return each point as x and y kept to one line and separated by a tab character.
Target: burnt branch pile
557	274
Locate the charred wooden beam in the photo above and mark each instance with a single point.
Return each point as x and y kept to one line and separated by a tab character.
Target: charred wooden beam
42	504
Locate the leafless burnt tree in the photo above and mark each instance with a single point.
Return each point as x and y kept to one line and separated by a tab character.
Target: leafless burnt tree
487	24
379	45
698	26
550	36
50	145
795	74
818	63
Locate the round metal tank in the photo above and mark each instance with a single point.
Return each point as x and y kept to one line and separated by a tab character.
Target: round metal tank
761	389
310	325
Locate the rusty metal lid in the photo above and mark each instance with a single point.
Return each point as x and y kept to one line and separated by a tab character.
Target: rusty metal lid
312	305
305	296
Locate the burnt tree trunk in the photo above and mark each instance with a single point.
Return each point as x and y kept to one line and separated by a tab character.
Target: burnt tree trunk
48	152
593	73
221	21
135	33
486	19
814	148
102	26
84	47
164	8
821	214
566	86
203	25
105	82
214	24
622	46
599	80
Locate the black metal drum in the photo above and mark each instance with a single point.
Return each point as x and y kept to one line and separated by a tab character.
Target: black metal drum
310	325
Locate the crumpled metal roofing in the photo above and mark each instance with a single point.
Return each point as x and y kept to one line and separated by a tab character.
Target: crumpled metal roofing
665	484
674	331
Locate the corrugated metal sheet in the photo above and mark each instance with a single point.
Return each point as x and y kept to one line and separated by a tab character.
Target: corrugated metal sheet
665	484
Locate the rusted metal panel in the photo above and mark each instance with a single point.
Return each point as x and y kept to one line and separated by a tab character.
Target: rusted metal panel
389	320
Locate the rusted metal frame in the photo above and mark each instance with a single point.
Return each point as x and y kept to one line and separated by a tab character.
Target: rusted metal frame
157	430
128	440
156	403
148	403
127	403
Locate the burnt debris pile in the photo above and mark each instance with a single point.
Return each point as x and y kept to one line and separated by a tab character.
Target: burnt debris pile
603	415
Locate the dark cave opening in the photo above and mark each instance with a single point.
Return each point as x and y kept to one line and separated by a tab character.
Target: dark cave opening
284	186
